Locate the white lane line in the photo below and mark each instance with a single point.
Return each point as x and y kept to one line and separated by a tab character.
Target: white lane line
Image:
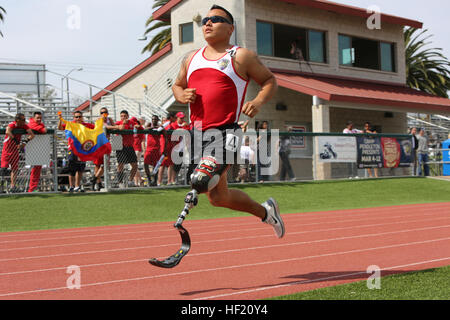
218	240
319	279
251	265
308	215
195	227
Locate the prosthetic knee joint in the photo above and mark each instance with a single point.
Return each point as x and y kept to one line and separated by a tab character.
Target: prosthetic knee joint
206	176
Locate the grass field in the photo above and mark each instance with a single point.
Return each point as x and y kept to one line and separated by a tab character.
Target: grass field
433	284
53	211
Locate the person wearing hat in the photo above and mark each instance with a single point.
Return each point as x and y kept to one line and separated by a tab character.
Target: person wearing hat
168	146
179	124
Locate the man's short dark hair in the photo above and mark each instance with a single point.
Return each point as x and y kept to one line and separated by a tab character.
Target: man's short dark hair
19	116
124	111
216	7
79	112
37	113
172	114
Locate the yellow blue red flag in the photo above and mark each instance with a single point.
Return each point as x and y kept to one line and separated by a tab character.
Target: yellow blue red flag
87	144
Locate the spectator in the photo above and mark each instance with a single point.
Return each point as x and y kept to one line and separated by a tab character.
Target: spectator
422	152
153	150
99	169
167	145
262	128
368	129
75	165
415	145
139	147
127	154
248	155
284	150
12	146
352	171
178	147
35	123
349	128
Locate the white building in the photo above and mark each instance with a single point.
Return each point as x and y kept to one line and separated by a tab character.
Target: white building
351	71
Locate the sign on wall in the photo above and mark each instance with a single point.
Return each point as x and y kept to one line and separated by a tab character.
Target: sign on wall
336	149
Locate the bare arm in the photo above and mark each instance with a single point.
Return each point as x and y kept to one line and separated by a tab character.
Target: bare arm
180	89
257	71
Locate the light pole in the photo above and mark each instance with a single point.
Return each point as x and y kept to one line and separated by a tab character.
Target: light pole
67	87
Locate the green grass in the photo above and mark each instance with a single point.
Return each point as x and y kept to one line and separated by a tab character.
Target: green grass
432	284
52	211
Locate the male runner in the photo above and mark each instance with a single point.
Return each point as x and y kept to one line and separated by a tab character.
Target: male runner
213	81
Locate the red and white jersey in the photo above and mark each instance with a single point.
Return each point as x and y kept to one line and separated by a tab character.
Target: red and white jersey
220	90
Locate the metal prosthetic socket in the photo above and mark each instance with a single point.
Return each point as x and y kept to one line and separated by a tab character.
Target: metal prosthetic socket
205	178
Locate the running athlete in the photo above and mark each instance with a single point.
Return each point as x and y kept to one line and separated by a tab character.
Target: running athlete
213	81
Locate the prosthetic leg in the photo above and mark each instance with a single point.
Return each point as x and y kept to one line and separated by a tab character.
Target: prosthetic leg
205	177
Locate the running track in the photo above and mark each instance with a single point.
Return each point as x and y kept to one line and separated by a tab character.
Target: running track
235	258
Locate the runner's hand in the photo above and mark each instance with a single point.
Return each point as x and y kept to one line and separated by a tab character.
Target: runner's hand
189	95
251	108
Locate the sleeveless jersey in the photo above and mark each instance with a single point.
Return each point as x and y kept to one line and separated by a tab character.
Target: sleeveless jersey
220	90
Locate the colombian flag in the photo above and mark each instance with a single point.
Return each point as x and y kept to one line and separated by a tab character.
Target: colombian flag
87	144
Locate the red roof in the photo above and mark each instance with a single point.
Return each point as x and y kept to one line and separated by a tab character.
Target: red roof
364	92
353	11
127	76
163	13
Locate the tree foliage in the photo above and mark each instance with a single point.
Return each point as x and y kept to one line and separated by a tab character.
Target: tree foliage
163	37
427	69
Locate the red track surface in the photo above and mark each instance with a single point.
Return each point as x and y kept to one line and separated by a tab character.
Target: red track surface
235	258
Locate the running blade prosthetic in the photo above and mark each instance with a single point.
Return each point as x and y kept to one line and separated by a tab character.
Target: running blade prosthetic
175	259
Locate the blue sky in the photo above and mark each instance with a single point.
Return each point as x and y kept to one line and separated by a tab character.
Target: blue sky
105	42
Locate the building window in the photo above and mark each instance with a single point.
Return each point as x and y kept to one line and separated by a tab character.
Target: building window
317	46
290	42
186	33
387	54
264	35
366	54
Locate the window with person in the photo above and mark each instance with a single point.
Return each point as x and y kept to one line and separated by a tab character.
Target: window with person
290	42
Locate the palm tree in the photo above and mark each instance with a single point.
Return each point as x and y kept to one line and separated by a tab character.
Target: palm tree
427	69
163	37
2	17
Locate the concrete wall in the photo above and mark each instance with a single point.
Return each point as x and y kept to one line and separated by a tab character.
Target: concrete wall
333	24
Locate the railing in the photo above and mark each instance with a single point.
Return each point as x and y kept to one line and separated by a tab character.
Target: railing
116	101
160	93
278	156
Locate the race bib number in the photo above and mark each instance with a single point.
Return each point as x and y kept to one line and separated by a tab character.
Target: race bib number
232	142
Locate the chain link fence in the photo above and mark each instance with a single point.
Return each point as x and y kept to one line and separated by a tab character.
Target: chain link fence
45	164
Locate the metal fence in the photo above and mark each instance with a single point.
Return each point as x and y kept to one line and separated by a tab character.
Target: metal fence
45	164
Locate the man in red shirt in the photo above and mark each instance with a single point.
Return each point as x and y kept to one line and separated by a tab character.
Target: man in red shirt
35	123
75	166
12	145
139	146
213	81
178	147
127	154
167	145
154	148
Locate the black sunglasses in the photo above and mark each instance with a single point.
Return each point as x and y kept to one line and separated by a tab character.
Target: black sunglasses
77	117
104	112
214	19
